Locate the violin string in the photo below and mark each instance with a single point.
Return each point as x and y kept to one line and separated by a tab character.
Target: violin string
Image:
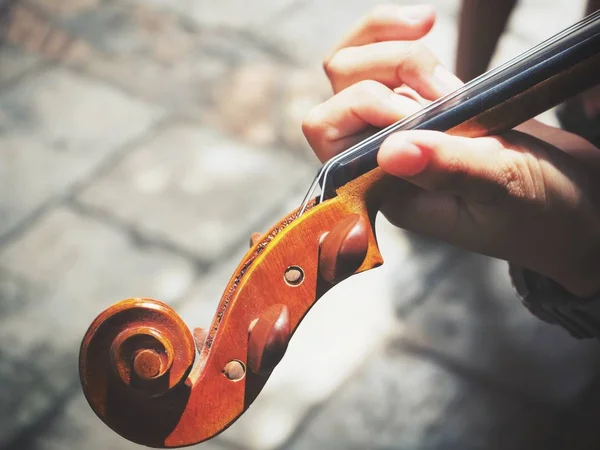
376	139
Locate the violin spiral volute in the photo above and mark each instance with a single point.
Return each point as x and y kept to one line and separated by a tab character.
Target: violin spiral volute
135	357
142	358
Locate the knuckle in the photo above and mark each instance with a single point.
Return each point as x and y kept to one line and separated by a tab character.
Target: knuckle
512	179
334	65
317	129
421	55
313	121
368	88
518	177
328	66
520	173
414	58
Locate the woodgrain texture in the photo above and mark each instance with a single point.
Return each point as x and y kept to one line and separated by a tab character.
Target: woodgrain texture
201	400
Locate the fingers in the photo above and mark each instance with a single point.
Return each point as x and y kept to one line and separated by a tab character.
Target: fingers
409	92
337	124
452	187
392	64
434	214
390	23
484	170
374	50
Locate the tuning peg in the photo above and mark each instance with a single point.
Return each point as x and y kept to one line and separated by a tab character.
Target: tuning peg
343	249
254	238
200	335
268	340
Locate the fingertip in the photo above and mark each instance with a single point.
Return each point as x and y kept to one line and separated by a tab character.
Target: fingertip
392	22
400	157
419	16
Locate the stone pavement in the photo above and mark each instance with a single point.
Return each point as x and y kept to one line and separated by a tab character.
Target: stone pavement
142	141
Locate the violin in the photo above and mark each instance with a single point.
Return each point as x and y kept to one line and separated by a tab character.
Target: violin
156	383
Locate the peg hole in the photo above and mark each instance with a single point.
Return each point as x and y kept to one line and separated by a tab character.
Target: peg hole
294	276
234	370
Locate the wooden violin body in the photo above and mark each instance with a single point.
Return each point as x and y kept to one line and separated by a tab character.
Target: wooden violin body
152	380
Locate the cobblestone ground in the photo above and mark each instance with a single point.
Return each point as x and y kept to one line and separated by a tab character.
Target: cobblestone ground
142	141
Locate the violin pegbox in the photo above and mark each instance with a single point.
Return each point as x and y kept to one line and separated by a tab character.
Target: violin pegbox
159	384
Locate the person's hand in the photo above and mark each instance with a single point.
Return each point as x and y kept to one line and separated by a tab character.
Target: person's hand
514	197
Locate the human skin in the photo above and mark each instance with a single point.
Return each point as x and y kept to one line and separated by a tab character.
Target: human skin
530	196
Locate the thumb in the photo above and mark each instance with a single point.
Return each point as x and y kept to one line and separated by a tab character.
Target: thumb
478	169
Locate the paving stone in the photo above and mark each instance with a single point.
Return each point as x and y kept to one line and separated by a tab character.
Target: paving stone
66	9
224	77
33	384
230	13
76	425
15	293
196	72
197	188
200	73
472	316
271	112
427	263
14	62
401	400
156	54
76	267
47	148
35	32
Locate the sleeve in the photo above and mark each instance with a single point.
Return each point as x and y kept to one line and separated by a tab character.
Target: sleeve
550	302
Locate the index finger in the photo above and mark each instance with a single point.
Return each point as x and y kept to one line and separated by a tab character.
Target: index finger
390	23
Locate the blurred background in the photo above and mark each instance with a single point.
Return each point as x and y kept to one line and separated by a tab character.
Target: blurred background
142	141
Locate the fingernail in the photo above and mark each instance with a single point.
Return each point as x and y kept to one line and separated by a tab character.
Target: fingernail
397	156
415	13
446	80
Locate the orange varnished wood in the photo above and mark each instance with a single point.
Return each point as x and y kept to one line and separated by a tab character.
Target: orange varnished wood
141	408
206	401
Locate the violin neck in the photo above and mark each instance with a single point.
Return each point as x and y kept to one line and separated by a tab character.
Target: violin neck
555	70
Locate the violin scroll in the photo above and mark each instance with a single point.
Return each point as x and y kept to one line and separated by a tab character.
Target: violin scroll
135	357
152	380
